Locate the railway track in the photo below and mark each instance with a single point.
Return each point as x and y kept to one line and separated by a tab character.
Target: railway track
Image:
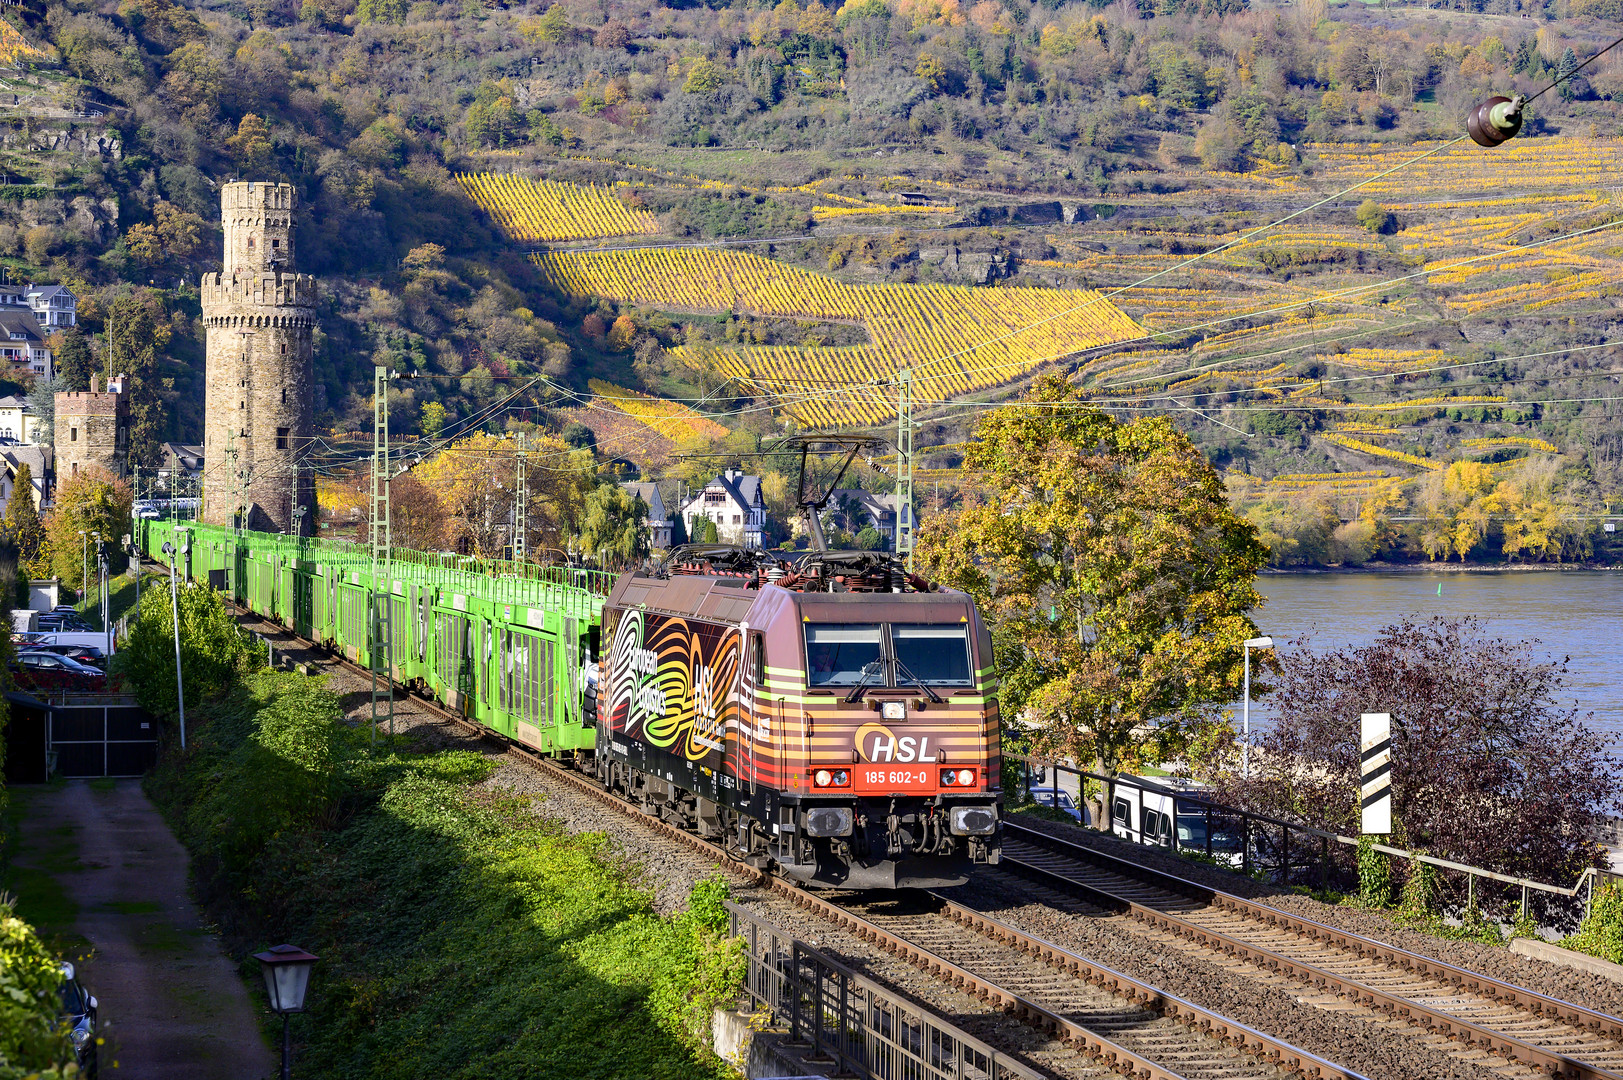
1474	1014
1125	1026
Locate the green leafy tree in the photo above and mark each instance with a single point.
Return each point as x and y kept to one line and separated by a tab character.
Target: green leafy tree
493	119
704	531
138	332
212	648
387	11
870	539
32	1040
22	523
1376	218
1113	573
42	399
92	502
612	522
75	360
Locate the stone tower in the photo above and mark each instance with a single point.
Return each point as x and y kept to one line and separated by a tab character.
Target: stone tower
92	430
259	317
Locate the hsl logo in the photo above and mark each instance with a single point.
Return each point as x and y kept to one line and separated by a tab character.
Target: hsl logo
876	742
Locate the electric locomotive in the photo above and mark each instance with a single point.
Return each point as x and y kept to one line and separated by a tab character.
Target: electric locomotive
835	719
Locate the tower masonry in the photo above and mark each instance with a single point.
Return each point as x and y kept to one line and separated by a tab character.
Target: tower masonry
92	430
259	318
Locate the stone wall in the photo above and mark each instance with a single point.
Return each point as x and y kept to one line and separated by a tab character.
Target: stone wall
91	430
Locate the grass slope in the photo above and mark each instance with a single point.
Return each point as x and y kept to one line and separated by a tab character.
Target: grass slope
462	934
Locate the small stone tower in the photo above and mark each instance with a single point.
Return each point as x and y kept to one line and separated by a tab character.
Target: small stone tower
259	317
92	430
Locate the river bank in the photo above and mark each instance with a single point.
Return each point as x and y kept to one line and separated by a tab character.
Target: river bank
1444	568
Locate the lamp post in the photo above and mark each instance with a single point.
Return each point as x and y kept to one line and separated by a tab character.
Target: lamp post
101	577
287	975
174	611
84	564
1245	746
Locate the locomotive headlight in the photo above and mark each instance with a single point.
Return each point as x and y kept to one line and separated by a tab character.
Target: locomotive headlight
966	777
829	821
949	777
841	778
823	778
974	821
893	710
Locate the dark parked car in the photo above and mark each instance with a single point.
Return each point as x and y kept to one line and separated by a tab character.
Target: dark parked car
85	654
79	1014
40	661
63	623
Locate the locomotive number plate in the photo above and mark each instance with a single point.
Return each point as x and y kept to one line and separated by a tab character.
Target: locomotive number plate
885	777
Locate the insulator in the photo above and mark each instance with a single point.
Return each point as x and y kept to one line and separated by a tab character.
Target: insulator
1494	121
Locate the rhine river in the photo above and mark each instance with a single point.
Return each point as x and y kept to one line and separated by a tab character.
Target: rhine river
1577	613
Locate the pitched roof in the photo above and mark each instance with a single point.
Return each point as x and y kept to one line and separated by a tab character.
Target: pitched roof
13	401
21	321
649	494
45	292
39	459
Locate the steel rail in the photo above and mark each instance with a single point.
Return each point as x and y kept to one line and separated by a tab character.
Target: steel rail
1268	1049
1469	1032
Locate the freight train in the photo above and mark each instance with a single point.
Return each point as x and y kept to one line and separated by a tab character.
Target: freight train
833	718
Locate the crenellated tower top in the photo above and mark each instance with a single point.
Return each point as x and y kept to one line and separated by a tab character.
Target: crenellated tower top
258	222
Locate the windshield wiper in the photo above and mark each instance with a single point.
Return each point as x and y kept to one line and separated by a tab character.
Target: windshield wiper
869	670
901	668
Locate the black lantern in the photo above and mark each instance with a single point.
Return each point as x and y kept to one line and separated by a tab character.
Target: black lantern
287	975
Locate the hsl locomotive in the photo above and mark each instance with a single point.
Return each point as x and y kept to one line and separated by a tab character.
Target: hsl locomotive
835	718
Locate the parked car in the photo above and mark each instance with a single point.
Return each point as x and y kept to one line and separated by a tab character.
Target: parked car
85	654
39	660
1163	819
1059	799
79	1014
59	624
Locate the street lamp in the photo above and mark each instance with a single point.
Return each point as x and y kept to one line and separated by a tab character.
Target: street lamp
287	975
1245	746
84	564
174	611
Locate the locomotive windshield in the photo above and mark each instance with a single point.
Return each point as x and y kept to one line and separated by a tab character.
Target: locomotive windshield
836	654
933	654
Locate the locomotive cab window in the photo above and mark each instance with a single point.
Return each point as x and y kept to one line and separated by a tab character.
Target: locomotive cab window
836	654
933	654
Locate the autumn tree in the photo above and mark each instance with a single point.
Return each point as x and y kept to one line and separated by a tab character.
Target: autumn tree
416	515
612	525
1112	571
94	501
475	480
1488	767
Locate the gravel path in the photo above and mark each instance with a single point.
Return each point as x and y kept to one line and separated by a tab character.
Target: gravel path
1555	980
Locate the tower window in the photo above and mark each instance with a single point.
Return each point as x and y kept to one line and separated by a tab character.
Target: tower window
250	243
281	438
284	389
73	435
284	352
275	244
242	404
75	471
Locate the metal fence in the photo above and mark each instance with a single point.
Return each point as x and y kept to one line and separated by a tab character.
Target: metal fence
1289	853
854	1024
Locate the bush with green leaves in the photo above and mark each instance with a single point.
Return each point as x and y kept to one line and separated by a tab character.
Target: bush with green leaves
33	1041
1601	932
212	648
462	933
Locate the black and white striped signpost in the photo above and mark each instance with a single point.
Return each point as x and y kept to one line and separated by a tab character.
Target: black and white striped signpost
1375	768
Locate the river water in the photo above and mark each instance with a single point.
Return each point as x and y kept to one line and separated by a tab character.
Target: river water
1575	613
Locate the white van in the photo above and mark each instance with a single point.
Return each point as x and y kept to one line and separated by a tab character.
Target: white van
24	620
1155	815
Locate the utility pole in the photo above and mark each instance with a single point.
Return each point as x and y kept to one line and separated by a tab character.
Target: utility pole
380	615
904	464
521	505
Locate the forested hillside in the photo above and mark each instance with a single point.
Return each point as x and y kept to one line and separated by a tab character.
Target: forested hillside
1071	145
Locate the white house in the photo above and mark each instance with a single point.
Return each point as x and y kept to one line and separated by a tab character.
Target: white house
39	460
17	420
54	306
658	522
21	343
734	502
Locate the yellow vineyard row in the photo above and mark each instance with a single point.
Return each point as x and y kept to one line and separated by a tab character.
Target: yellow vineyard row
671	419
957	339
549	211
1510	440
1380	451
